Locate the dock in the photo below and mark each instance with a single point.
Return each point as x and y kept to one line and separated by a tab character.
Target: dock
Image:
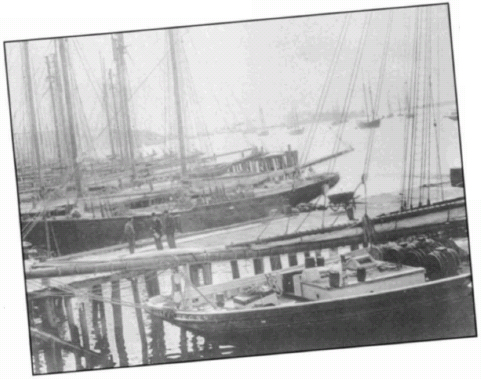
241	243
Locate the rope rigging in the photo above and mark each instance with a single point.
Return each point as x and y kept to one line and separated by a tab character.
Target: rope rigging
417	130
375	105
345	109
325	88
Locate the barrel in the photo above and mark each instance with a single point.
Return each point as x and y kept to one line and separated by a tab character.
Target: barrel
334	279
310	262
361	274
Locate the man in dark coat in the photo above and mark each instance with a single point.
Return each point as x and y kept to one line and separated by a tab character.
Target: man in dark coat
156	228
169	223
129	234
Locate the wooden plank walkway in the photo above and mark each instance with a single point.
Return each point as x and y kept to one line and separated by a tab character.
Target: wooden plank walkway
212	249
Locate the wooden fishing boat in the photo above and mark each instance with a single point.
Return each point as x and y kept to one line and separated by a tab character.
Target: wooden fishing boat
453	116
369	124
343	295
296	132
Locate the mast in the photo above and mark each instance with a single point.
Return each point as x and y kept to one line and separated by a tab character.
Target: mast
119	51
106	105
54	110
263	121
116	117
365	101
372	104
60	103
31	108
177	103
70	116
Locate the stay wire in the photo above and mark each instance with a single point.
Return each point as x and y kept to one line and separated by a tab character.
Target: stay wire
346	105
327	84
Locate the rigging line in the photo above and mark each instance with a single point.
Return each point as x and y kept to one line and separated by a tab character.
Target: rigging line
438	113
166	55
352	83
423	128
431	114
325	88
375	109
427	104
87	70
382	70
411	103
415	104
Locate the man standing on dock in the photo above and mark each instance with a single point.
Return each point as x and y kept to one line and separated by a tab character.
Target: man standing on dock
156	228
129	233
169	223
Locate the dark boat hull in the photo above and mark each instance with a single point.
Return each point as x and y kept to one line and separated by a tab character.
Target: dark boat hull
75	235
457	177
369	124
296	132
415	312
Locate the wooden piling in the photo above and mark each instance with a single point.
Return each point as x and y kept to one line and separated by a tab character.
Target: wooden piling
85	334
258	266
194	274
152	283
276	263
118	325
292	260
74	332
207	272
235	269
158	339
183	343
140	320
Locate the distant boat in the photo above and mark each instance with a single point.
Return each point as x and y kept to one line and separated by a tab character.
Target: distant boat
264	131
295	132
453	116
457	178
373	121
369	124
294	127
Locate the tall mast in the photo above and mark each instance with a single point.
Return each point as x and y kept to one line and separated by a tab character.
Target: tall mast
70	116
54	110
106	106
116	117
263	121
177	104
31	108
60	103
119	51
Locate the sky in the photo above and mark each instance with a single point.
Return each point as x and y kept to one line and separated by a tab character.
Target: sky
229	71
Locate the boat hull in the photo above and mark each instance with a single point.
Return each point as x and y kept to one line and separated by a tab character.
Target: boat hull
369	124
76	235
405	314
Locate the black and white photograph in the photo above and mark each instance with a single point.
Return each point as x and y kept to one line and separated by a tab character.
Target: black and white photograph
208	191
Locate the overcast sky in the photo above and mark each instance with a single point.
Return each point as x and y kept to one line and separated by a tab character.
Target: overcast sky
230	70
